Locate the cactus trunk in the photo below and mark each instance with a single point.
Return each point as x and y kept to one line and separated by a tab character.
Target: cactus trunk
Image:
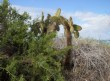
67	64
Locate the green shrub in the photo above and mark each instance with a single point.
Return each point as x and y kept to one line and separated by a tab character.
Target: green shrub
26	55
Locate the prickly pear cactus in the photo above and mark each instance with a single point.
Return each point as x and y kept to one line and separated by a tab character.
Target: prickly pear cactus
77	27
57	14
56	17
51	24
70	22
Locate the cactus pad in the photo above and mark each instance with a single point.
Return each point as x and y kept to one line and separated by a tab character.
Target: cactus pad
77	27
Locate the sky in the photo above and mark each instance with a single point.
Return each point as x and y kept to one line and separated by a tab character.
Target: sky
92	15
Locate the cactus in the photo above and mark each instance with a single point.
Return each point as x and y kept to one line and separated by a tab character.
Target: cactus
51	24
42	18
76	34
57	14
77	27
56	17
70	22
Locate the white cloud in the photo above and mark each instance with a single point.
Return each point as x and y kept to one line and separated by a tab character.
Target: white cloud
94	25
34	12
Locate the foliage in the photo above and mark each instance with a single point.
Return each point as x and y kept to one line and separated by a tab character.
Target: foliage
26	55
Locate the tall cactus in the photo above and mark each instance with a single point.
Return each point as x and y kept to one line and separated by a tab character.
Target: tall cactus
52	24
70	29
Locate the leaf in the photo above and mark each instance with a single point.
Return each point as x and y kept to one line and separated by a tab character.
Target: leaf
21	78
58	12
77	27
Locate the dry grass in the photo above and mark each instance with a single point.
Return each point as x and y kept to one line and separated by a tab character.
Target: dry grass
91	60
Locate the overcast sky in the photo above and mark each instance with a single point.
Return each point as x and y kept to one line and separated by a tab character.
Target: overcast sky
92	15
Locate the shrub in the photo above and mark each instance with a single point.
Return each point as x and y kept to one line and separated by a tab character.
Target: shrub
26	55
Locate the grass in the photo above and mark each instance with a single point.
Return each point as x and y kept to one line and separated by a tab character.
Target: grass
91	60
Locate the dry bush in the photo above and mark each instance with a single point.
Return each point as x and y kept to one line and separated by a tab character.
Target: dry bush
91	60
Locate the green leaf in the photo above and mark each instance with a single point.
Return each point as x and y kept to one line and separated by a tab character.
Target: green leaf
21	78
77	27
58	12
